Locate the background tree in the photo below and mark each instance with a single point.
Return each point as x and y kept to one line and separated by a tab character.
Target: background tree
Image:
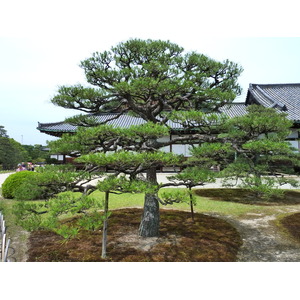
149	78
36	153
262	154
3	132
11	152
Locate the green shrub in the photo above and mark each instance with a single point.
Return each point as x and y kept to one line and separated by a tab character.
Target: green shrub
14	181
30	190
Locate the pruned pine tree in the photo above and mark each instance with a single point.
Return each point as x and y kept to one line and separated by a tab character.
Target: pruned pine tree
127	153
149	78
131	151
262	154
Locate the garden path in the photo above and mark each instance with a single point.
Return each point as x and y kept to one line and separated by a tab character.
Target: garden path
3	176
262	240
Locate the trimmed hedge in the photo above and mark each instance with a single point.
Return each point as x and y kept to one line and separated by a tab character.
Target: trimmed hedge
14	181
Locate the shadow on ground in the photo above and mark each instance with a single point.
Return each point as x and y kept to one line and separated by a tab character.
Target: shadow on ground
207	239
248	197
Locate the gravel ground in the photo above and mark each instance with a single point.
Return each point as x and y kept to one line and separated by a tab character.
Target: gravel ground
3	176
161	178
262	241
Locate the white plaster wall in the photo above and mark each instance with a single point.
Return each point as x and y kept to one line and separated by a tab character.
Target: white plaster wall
294	134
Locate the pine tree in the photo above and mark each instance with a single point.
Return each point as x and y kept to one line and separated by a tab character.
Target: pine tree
149	79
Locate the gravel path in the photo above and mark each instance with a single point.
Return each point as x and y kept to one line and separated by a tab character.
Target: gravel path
262	240
3	176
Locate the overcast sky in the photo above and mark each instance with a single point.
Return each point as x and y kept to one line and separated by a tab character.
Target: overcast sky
43	42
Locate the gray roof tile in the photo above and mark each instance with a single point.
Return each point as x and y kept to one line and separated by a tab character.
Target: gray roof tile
284	97
234	109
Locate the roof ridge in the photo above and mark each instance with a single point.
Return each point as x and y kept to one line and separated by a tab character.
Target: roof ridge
275	103
274	84
52	123
234	103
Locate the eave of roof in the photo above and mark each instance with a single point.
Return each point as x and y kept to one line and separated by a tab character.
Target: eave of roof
283	97
124	121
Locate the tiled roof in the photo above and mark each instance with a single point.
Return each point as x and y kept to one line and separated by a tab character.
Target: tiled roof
56	129
284	97
234	109
125	121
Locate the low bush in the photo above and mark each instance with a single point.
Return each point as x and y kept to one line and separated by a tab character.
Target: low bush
30	189
14	181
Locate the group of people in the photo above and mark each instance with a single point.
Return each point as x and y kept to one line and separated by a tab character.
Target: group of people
24	167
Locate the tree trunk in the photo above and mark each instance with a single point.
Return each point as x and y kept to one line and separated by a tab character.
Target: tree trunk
149	226
104	233
191	204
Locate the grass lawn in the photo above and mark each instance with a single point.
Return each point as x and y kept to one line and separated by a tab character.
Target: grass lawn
219	205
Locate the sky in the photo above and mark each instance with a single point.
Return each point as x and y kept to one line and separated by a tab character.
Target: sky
43	42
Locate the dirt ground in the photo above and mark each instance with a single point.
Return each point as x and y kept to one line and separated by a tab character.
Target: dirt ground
207	239
262	240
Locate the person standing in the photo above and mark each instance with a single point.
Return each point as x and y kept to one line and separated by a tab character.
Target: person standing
20	168
30	166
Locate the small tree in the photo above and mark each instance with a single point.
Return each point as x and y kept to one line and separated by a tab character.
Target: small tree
189	177
258	140
32	215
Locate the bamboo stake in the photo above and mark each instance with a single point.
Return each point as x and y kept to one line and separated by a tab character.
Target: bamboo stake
6	250
3	246
1	221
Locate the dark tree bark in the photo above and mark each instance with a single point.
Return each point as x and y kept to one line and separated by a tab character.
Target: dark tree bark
191	204
149	226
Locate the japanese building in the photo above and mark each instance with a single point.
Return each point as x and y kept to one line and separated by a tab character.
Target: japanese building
282	97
